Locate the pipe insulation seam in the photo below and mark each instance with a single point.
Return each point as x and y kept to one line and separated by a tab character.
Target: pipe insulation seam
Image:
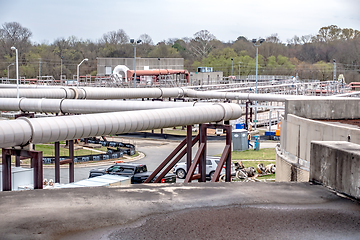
19	104
161	92
27	131
76	94
228	111
60	106
42	130
82	93
65	90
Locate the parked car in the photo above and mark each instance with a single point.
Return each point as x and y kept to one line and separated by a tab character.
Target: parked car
211	165
137	172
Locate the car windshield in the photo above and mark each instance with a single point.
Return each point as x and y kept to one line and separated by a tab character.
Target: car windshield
141	169
121	170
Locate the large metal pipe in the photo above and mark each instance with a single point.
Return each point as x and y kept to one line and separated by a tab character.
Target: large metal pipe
85	106
22	131
56	93
131	93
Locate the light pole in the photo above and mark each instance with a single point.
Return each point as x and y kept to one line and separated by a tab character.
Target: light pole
40	69
85	59
232	67
239	71
159	70
61	82
8	70
334	76
256	75
134	43
17	71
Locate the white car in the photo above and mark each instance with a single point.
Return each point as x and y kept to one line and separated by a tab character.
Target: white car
211	165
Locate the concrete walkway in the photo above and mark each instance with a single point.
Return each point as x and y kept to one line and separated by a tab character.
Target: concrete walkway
181	211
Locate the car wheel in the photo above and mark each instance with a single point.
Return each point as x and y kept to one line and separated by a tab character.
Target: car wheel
211	175
180	173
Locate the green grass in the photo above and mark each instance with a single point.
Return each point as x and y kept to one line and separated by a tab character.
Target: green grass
262	154
255	163
49	150
267	177
177	131
256	157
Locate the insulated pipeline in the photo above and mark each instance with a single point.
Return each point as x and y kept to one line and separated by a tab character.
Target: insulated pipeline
85	106
21	131
135	93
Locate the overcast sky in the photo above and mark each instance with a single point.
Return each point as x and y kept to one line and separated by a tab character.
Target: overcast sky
164	19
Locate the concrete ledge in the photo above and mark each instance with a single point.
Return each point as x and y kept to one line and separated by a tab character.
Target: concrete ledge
336	165
329	108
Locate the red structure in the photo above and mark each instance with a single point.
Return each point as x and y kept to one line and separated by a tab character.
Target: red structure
156	73
200	157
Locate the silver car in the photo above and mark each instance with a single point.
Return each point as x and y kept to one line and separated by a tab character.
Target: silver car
211	165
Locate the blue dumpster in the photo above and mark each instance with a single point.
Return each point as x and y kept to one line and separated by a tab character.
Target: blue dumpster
257	143
240	126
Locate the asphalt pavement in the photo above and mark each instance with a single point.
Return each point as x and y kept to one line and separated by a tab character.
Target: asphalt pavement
154	151
237	210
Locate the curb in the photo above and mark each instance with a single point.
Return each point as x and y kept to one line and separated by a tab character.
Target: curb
100	163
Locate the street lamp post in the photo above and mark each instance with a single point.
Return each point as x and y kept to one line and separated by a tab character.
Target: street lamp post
256	74
334	75
239	71
134	43
77	70
17	71
159	70
61	81
232	67
8	70
40	69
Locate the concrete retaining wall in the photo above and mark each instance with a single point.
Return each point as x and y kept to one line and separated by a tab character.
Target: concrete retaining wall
297	134
287	170
328	108
298	129
336	165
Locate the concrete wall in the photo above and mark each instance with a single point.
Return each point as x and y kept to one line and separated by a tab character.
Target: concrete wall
152	63
288	169
336	165
205	78
328	108
297	132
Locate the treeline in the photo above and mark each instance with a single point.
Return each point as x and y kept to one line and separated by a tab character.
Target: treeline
309	56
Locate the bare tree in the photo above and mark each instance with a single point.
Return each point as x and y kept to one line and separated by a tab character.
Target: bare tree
306	39
274	38
146	39
13	34
115	37
294	41
202	43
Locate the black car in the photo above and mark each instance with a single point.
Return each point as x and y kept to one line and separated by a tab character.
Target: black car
137	172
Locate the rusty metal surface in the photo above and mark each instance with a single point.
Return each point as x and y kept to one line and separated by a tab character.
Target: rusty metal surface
6	169
71	164
168	159
36	164
57	162
195	162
